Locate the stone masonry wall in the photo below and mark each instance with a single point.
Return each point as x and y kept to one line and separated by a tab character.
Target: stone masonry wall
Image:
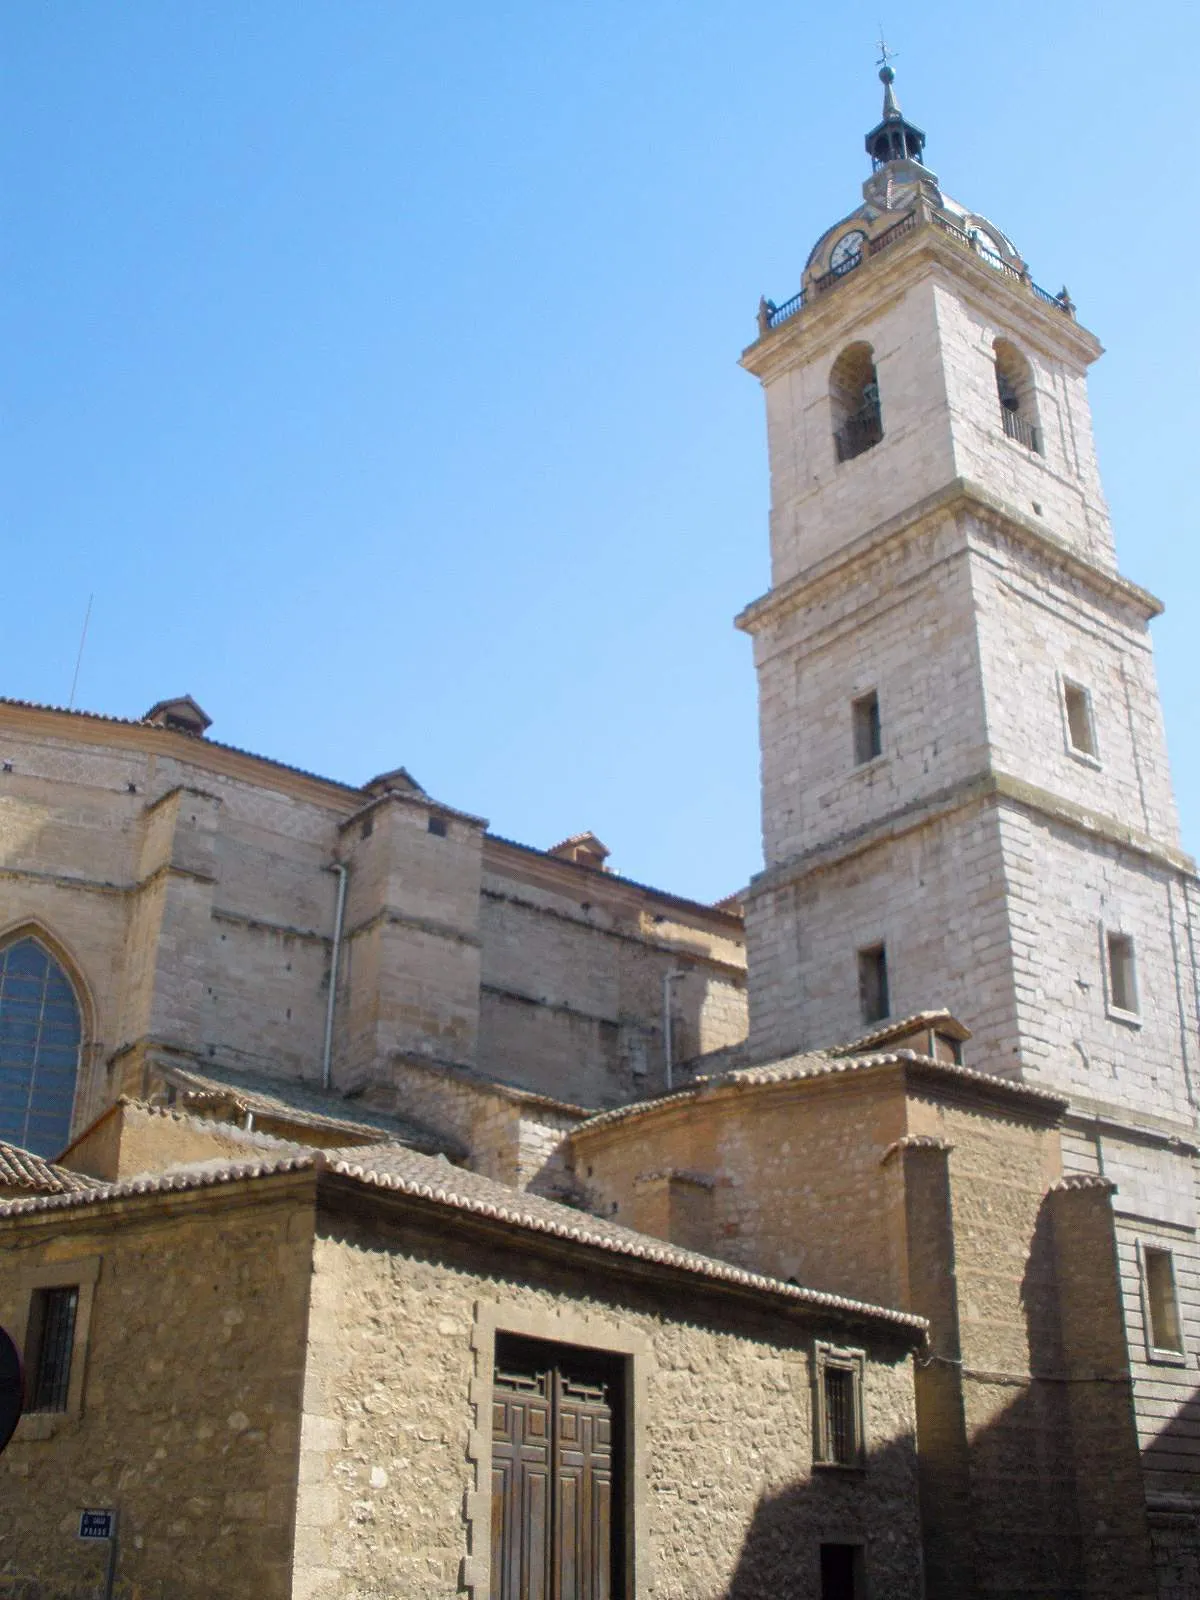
190	1414
728	1502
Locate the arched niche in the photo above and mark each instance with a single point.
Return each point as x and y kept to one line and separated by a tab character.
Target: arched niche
854	401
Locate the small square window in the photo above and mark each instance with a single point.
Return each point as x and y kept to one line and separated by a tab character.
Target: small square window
1122	974
437	826
49	1347
842	1572
838	1423
873	999
1164	1331
1081	731
868	730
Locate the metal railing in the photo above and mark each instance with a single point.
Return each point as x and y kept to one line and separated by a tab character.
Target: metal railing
859	432
1016	427
770	315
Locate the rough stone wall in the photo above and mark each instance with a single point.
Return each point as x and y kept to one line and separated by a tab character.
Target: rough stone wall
190	1415
1064	900
729	1502
1038	625
186	887
783	1164
1064	481
818	504
934	896
572	985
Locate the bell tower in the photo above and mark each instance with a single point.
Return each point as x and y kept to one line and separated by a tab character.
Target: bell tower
966	798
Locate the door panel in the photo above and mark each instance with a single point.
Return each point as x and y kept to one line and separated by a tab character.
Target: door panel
553	1535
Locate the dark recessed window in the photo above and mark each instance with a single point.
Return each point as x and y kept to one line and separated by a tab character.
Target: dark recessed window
437	825
873	983
1080	728
367	828
868	731
1162	1304
51	1339
1122	973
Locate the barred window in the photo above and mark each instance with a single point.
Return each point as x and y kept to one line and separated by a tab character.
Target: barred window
51	1340
40	1036
838	1423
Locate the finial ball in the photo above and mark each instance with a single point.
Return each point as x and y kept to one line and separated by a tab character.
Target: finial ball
886	75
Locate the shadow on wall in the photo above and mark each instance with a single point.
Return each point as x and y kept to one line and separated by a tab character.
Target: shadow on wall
845	1528
1172	1463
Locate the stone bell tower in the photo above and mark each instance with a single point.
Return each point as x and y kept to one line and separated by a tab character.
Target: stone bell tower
966	798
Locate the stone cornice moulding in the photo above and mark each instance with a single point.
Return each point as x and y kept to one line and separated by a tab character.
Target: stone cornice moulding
983	787
862	295
959	494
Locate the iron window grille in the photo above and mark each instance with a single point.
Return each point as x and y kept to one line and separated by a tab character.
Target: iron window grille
838	1432
52	1340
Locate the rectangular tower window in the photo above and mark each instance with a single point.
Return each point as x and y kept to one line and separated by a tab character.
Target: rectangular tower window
48	1351
873	983
868	732
1162	1306
1080	729
1122	973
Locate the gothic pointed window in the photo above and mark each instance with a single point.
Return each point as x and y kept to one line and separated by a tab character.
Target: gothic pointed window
1014	386
854	400
41	1032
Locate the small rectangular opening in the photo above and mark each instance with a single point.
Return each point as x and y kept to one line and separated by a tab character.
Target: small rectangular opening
1080	730
842	1572
1162	1305
49	1346
1122	973
873	983
437	825
868	731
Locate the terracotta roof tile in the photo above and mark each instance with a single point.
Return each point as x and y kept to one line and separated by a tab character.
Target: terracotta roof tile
21	1169
433	1179
824	1064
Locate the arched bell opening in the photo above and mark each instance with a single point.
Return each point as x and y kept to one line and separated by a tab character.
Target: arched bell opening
1015	389
854	402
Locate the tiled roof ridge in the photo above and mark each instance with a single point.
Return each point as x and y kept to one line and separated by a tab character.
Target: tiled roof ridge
539	1215
902	1025
493	1200
820	1064
24	1169
205	1124
197	1175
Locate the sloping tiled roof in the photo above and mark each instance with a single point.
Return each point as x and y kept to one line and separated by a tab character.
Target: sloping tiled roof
823	1064
301	1105
941	1020
432	1179
21	1169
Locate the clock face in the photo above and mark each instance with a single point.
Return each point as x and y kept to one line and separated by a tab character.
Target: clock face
847	252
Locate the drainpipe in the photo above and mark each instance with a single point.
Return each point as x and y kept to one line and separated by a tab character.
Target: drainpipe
672	975
339	917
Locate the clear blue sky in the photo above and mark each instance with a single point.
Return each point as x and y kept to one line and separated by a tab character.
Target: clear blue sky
374	363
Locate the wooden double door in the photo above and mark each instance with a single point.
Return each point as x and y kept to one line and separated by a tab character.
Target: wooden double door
556	1506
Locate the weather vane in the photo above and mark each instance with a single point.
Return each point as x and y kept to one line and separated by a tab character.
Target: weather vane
886	56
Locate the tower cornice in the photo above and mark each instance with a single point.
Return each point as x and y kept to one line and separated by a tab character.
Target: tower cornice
890	263
959	494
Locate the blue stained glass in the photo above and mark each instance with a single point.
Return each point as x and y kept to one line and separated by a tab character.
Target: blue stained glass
40	1033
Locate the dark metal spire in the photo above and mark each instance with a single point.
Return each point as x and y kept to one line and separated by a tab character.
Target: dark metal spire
895	138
